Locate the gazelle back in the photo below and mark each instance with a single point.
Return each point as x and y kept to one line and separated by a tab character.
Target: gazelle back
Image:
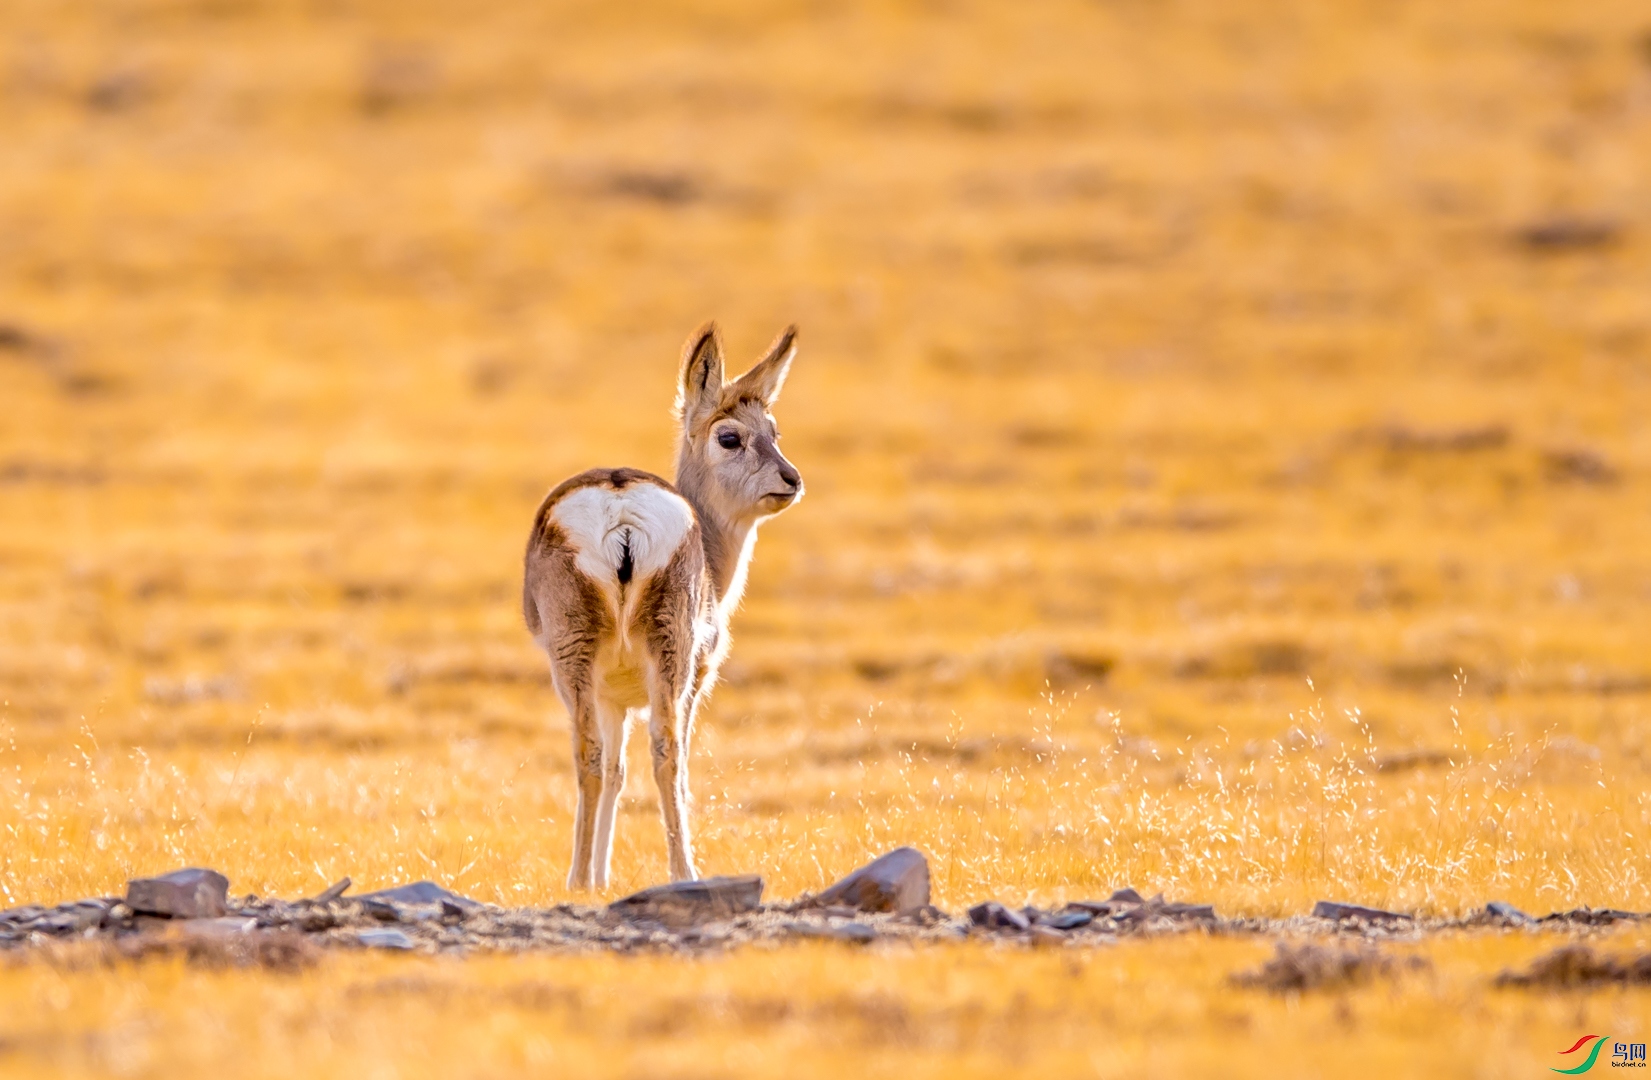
629	582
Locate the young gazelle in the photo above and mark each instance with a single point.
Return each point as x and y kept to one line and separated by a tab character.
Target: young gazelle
630	582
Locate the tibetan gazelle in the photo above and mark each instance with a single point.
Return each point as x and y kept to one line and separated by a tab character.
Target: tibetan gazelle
630	582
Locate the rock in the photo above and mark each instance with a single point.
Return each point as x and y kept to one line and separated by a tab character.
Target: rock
1187	912
70	918
856	933
382	910
1120	901
1129	914
418	893
313	922
54	922
994	916
90	913
332	892
18	916
927	915
897	882
227	926
1507	912
1586	916
183	894
1043	935
1070	920
693	901
1126	906
386	938
1328	909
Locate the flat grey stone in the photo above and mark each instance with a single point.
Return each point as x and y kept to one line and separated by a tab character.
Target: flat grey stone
1127	906
1069	920
20	915
693	901
897	882
386	938
856	933
927	915
420	893
1122	900
331	892
994	916
1329	909
1096	908
67	918
1193	912
194	893
382	910
58	922
227	926
1501	910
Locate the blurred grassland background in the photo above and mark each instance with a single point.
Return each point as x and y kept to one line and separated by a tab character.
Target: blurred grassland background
1224	428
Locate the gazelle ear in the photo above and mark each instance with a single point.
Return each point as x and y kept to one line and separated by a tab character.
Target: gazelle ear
765	379
700	388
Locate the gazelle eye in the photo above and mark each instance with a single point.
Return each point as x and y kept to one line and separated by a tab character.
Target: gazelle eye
728	440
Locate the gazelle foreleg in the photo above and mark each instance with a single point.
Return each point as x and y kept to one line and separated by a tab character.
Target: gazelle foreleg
666	728
672	645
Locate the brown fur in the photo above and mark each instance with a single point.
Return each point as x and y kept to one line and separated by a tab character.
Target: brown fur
545	535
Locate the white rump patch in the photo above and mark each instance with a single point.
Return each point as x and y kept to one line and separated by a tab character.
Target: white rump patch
603	524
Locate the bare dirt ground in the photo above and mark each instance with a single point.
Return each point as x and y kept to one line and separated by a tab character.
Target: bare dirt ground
1224	432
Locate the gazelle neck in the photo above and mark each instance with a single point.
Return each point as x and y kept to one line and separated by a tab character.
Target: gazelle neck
728	541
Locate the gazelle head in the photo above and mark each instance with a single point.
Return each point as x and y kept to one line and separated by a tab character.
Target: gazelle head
729	455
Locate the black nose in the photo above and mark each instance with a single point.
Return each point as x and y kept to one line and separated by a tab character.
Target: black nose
790	475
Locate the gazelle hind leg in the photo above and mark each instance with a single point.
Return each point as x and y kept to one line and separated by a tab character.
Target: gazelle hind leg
612	722
587	765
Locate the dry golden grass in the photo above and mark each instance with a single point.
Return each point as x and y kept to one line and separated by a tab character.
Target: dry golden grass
1208	490
1136	1010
